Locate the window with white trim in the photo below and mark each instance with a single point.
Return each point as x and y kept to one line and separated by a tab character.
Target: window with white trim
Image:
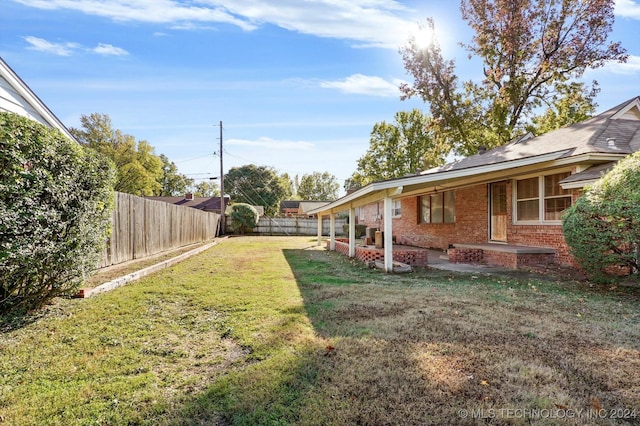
438	208
396	209
541	198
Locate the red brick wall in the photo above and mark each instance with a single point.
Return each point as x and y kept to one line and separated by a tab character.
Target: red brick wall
540	235
471	224
373	214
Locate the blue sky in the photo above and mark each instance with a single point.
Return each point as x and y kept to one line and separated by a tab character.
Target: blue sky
297	84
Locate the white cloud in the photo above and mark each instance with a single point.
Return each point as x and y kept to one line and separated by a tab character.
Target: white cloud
68	48
107	49
265	142
42	45
632	66
367	23
156	11
628	9
365	85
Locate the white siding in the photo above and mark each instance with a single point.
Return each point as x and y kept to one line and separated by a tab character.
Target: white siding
11	101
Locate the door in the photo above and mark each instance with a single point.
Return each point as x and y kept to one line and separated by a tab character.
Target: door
498	211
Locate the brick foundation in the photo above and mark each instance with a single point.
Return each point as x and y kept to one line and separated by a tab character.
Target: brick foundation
413	256
504	256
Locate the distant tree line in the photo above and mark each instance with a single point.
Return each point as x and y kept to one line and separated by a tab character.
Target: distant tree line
141	172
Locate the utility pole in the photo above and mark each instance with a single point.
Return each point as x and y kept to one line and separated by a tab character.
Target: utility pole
222	206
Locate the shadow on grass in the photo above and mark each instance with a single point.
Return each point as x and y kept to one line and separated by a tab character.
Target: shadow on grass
418	349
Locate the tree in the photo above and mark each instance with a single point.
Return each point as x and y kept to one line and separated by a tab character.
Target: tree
573	104
318	187
244	217
352	183
289	186
56	199
255	185
602	228
140	171
531	49
206	189
398	149
173	183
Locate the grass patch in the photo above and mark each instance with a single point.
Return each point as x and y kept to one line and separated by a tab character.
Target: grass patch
273	330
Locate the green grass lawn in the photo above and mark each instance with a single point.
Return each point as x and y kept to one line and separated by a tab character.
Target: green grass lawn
273	330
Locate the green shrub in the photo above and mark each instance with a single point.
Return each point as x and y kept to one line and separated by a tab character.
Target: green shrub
56	200
602	228
244	218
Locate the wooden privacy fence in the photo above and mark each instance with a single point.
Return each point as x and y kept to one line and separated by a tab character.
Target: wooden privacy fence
142	227
293	226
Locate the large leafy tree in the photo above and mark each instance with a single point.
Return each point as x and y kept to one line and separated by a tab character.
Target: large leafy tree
397	149
289	185
255	185
206	189
173	183
531	50
140	170
56	200
318	186
572	104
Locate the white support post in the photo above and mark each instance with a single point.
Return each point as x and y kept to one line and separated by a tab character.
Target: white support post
319	230
388	237
332	231
352	232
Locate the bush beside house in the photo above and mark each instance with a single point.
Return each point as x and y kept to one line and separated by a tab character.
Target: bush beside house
56	200
603	227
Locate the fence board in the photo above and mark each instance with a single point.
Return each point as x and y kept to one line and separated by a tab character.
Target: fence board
142	227
293	226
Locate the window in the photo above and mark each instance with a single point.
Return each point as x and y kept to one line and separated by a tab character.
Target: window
542	196
396	208
528	199
556	199
438	208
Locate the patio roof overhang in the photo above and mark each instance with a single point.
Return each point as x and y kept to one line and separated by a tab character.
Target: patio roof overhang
444	180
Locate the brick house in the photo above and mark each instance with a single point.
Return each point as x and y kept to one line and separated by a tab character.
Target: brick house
300	209
501	206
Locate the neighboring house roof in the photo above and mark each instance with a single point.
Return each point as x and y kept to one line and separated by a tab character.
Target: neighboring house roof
17	97
306	206
200	203
301	207
289	204
605	138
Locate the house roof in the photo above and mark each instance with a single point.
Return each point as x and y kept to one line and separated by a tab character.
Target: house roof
17	97
605	138
200	203
590	175
615	131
